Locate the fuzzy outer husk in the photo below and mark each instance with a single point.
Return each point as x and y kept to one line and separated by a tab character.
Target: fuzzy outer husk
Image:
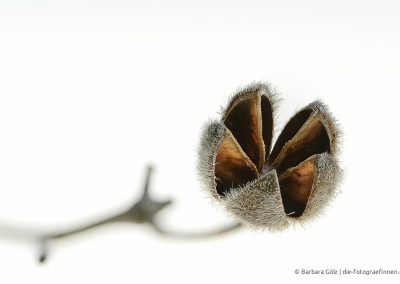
258	203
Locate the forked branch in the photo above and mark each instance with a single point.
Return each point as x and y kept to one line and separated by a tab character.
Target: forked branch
142	211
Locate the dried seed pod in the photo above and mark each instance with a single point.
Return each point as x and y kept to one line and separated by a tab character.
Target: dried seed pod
266	188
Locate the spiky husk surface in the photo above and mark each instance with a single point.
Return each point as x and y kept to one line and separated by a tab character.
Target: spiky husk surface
258	203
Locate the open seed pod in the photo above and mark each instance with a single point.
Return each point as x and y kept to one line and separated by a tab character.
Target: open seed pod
266	188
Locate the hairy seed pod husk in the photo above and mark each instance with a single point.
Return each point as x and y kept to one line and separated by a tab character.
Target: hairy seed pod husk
268	187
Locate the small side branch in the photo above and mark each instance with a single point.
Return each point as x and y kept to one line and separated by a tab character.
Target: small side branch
44	239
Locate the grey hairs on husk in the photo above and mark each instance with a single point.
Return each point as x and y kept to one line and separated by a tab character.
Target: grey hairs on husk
258	203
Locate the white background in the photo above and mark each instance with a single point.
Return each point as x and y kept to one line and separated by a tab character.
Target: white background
92	91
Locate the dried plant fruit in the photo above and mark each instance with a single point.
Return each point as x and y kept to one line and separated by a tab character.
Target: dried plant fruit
264	188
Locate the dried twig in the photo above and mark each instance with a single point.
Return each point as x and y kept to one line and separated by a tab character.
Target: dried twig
143	211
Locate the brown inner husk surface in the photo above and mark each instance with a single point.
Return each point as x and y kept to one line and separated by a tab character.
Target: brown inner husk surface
246	145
